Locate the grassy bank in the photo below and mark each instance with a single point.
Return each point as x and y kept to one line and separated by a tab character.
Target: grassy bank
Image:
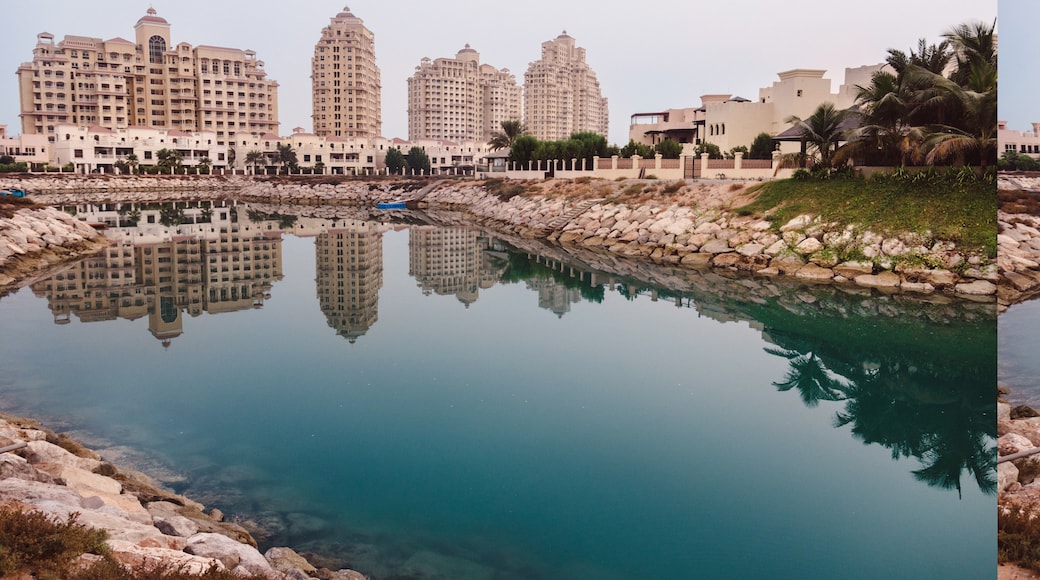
962	213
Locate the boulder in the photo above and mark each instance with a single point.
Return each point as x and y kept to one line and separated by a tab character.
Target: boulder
133	555
716	247
880	280
1007	474
815	273
285	559
1012	443
976	288
233	554
851	269
176	526
809	245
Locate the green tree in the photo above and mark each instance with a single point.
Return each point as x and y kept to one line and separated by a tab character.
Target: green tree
394	160
732	153
505	138
255	158
523	150
591	145
711	149
761	147
418	160
6	160
132	162
205	164
822	131
169	159
669	149
634	148
287	157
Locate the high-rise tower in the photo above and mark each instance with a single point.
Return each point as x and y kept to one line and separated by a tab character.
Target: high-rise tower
561	93
346	90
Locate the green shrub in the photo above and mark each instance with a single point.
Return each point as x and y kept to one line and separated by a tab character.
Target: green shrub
42	545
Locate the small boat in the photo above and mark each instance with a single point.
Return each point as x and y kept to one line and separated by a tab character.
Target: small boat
13	192
392	205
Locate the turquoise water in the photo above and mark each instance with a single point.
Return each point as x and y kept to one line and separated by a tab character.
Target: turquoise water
479	411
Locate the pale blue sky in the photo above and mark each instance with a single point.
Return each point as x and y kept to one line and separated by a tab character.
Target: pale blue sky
1019	92
649	56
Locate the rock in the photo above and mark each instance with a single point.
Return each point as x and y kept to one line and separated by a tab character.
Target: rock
798	223
880	280
727	260
34	492
134	555
716	247
1022	412
17	467
852	269
893	247
939	278
285	559
787	264
44	452
918	287
233	554
176	526
809	245
813	272
1007	474
1020	282
1013	443
976	288
696	259
775	248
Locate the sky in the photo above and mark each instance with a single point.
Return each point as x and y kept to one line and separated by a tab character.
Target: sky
1018	97
648	56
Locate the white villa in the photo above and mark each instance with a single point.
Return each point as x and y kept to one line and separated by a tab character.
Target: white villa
1022	142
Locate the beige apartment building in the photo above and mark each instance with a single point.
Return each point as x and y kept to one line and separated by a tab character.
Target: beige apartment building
346	90
460	99
148	82
562	94
349	276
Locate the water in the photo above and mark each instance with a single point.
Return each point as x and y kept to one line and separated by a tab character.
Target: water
1019	368
445	404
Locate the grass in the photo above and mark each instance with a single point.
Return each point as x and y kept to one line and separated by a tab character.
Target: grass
33	544
504	189
962	213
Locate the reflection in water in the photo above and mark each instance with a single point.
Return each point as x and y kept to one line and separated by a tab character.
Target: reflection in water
924	392
349	276
509	462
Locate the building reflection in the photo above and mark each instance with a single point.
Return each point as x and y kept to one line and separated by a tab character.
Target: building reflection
452	261
349	257
166	260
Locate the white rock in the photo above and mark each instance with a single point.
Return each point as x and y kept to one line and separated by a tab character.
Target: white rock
233	554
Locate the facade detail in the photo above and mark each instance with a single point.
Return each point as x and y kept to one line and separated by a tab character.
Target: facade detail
562	94
345	83
1021	142
99	149
31	149
460	99
150	82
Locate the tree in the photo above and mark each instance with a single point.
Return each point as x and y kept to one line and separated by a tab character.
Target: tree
287	157
204	165
169	159
711	149
823	130
394	160
132	162
732	153
523	150
634	148
505	138
761	147
6	160
255	158
418	161
669	149
591	145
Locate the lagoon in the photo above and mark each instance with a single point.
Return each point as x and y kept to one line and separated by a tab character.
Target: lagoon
441	402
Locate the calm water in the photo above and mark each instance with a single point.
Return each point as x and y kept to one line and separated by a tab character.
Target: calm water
425	402
1019	368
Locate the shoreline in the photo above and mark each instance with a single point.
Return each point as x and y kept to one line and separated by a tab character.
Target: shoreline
147	525
683	224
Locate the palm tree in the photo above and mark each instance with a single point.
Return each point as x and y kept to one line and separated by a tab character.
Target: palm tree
967	131
823	130
975	49
286	157
204	165
132	162
505	138
254	158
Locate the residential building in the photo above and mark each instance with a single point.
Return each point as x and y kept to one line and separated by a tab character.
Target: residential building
31	149
562	94
149	82
345	84
98	149
460	99
450	261
1021	142
349	276
729	121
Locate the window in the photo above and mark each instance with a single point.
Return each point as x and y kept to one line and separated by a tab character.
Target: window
156	48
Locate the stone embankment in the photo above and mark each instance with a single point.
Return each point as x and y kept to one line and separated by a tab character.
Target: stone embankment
80	184
1018	246
689	225
34	238
146	525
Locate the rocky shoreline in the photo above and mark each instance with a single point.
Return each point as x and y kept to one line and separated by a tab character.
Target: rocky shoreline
679	223
146	525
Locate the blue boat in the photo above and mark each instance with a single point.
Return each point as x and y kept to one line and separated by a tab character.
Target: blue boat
391	205
13	192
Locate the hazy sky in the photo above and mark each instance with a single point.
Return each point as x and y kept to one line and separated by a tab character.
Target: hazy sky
649	56
1019	93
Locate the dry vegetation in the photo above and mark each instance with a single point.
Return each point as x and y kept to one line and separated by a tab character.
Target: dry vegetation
1019	202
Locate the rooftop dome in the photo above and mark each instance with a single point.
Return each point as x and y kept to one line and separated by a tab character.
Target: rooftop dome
151	18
